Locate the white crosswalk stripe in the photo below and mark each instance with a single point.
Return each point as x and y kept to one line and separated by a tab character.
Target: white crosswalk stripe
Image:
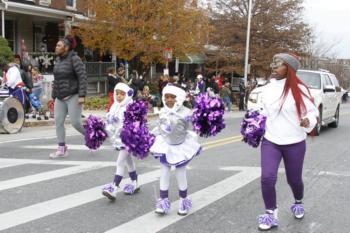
150	223
17	182
40	210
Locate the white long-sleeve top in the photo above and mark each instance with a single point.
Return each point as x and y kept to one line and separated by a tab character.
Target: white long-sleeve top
13	77
283	126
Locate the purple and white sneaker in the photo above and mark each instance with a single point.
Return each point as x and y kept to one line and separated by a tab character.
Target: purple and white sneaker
185	205
268	220
60	153
110	191
298	210
132	188
163	206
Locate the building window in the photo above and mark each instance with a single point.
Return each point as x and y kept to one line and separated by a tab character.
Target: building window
71	4
10	33
45	2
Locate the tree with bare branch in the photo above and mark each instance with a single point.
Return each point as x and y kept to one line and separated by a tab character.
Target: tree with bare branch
277	26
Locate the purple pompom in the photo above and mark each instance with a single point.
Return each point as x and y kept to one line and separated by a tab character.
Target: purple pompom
253	128
208	115
135	134
95	133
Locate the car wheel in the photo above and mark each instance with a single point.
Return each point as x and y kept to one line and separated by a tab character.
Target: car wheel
318	127
336	121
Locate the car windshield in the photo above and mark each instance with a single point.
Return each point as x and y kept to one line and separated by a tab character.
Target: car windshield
312	80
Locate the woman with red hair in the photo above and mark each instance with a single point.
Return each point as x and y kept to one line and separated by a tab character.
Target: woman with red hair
291	114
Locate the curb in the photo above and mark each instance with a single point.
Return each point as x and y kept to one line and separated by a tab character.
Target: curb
51	122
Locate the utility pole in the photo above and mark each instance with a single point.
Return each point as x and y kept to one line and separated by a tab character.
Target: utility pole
247	44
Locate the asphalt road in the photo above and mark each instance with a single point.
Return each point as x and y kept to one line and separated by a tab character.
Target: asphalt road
39	195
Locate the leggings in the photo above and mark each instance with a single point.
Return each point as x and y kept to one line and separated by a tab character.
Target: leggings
271	156
165	180
124	160
71	107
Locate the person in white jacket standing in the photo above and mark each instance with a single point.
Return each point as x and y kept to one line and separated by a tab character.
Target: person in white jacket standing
115	119
290	115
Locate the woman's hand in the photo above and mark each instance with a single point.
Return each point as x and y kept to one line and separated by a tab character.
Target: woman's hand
305	123
81	100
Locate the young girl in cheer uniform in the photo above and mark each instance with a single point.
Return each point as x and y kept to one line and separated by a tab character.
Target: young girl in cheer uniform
115	117
290	115
175	146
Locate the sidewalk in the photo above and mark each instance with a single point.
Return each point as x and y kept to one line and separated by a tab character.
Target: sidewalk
50	122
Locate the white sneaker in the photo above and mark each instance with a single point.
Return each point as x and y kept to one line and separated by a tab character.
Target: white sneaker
60	153
131	188
185	205
110	191
162	206
268	220
298	210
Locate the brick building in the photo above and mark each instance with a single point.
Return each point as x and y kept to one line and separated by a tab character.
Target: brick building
40	23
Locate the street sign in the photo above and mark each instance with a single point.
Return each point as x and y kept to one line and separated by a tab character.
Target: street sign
168	54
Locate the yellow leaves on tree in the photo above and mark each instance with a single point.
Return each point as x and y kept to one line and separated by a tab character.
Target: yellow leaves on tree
144	28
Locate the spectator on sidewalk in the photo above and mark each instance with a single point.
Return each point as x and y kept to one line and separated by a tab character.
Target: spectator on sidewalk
13	80
225	94
241	95
137	84
163	81
69	91
146	96
113	79
214	85
200	87
37	93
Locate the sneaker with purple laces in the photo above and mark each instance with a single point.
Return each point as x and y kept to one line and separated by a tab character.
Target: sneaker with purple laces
268	220
110	191
132	188
298	210
185	205
60	153
162	206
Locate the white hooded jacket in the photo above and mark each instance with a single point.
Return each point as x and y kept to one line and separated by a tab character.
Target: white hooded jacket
115	116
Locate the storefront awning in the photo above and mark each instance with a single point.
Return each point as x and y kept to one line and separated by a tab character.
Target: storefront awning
193	59
29	9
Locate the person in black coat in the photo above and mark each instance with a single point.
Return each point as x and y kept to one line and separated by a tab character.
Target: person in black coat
241	95
68	91
214	85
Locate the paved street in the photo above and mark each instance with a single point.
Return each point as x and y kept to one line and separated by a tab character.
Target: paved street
39	195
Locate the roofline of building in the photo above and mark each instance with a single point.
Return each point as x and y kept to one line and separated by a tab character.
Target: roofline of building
27	9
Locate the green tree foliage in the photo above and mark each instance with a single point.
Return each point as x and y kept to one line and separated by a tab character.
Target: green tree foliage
6	55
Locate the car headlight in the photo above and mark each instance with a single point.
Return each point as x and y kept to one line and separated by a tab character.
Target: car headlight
253	97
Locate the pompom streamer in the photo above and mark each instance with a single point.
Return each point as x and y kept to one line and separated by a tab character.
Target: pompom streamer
95	133
208	115
135	134
253	128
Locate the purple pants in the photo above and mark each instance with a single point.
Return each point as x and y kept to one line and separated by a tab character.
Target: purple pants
293	157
